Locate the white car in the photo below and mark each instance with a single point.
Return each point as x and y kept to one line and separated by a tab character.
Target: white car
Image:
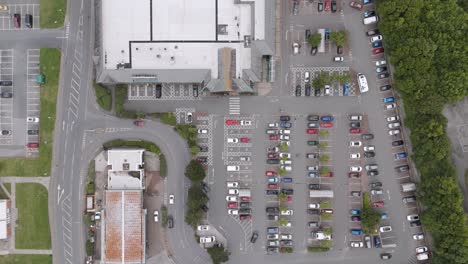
272	236
355	168
189	117
285	132
422	256
156	216
380	63
231	198
354	156
272	125
412	217
202	131
286	162
233	211
394	125
286	236
284	137
369	148
287	212
32	119
393	118
376	38
232	184
246	122
421	249
207	239
338	59
389	106
285	155
171	199
296	48
419	236
394	132
376	192
314	206
203	227
356	244
244	158
286	168
327	90
232	140
355	143
384	229
273	243
233	191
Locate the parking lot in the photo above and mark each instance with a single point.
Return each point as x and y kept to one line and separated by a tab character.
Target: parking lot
167	91
7	21
6	102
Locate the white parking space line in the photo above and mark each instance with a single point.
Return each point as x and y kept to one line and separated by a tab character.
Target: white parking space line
6	104
6	17
32	94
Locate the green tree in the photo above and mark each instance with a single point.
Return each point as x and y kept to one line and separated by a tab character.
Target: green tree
283	197
338	37
195	171
328	231
314	39
369	217
325	204
325	216
283	207
324	133
281	171
324	170
194	150
283	146
320	80
218	254
282	221
326	243
324	158
323	145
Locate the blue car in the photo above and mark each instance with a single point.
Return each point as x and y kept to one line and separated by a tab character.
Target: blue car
285	125
377	242
355	212
384	216
287	180
401	155
389	99
367	2
377	44
272	180
346	89
327	118
357	232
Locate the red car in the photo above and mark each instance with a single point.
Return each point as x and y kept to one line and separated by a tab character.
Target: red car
233	205
354	174
354	130
270	173
274	137
32	145
245	199
289	198
327	5
231	122
272	186
245	217
312	131
17	20
355	5
378	204
139	123
326	125
245	140
378	50
272	155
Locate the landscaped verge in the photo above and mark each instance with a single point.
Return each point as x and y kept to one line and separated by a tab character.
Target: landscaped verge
50	66
52	13
26	259
103	96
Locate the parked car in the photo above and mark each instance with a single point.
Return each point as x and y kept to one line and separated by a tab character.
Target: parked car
377	44
384	229
378	204
357	232
17	20
401	155
355	5
372	32
333	6
355	124
312	131
327	118
377	242
412	217
386	87
355	212
369	154
254	237
376	38
354	130
381	69
355	143
378	50
375	184
383	75
320	6
367	136
380	63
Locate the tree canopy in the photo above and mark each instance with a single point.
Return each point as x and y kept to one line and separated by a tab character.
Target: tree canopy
195	171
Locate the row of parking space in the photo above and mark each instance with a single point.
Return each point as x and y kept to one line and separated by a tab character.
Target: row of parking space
322	8
204	124
302	82
168	91
33	98
8	21
6	94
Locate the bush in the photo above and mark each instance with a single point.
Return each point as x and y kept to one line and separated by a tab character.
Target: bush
164	216
162	165
148	146
120	97
167	118
324	158
369	217
189	133
218	254
90	187
324	133
325	216
283	146
323	145
103	96
317	249
195	171
283	221
325	204
324	170
196	198
89	248
326	243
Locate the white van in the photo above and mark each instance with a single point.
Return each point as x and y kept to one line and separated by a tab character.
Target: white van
306	77
370	20
233	168
362	81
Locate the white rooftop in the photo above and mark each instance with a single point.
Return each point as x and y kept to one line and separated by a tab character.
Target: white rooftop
178	34
126	171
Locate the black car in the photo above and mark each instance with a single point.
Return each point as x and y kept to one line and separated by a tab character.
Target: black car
195	90
33	132
272	192
287	191
397	143
295	7
6	95
202	159
339	50
314	186
367	136
244	205
377	242
272	217
385	256
369	154
203	148
313	118
402	168
355	124
320	6
6	132
286	243
204	208
272	210
28	19
384	88
375	184
409	199
307	34
313	211
254	237
158	93
313	224
317	92
285	118
333	6
373	173
298	90
272	161
415	223
272	249
170	221
205	187
245	211
373	32
313	51
6	83
383	75
307	89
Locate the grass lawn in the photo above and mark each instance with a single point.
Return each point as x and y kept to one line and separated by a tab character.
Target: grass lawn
26	259
33	219
103	96
120	97
50	66
52	13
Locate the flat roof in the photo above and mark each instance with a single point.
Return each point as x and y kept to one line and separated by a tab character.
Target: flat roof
123	223
125	159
